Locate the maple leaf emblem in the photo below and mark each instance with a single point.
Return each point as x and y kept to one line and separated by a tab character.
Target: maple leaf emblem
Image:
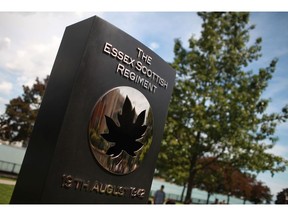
126	135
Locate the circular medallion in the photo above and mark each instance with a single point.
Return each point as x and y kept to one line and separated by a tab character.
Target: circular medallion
120	130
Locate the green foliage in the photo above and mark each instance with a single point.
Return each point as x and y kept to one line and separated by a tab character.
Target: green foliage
216	108
17	122
282	197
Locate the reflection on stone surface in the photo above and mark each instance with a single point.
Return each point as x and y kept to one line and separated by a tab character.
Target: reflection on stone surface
120	130
125	136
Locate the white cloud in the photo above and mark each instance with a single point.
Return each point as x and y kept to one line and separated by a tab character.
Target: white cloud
5	43
2	108
83	15
5	87
32	60
154	46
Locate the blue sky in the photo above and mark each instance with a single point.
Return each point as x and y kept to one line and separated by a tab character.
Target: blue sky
29	43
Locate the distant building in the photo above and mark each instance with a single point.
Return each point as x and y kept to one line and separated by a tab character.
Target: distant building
11	158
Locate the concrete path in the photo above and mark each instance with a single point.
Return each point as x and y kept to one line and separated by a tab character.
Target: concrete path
8	182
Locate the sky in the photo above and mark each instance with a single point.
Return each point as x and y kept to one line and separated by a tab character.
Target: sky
29	43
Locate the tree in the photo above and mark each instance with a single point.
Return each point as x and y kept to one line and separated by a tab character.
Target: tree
282	197
220	177
216	108
242	185
18	120
260	193
210	177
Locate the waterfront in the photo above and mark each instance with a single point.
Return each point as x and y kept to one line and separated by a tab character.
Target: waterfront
174	191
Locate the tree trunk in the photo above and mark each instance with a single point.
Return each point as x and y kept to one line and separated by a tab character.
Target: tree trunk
228	199
182	194
208	197
189	190
192	172
190	184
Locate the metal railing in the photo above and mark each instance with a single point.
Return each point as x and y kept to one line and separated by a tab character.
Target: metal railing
175	197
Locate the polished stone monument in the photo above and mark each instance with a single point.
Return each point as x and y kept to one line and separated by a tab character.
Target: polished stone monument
100	125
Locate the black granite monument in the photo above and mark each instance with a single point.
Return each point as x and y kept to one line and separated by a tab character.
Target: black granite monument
100	125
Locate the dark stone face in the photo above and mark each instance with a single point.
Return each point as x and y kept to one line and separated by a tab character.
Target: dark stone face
100	125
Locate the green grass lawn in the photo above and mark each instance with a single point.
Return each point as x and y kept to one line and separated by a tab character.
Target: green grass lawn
5	193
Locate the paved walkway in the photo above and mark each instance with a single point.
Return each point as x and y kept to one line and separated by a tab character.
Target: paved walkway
8	182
